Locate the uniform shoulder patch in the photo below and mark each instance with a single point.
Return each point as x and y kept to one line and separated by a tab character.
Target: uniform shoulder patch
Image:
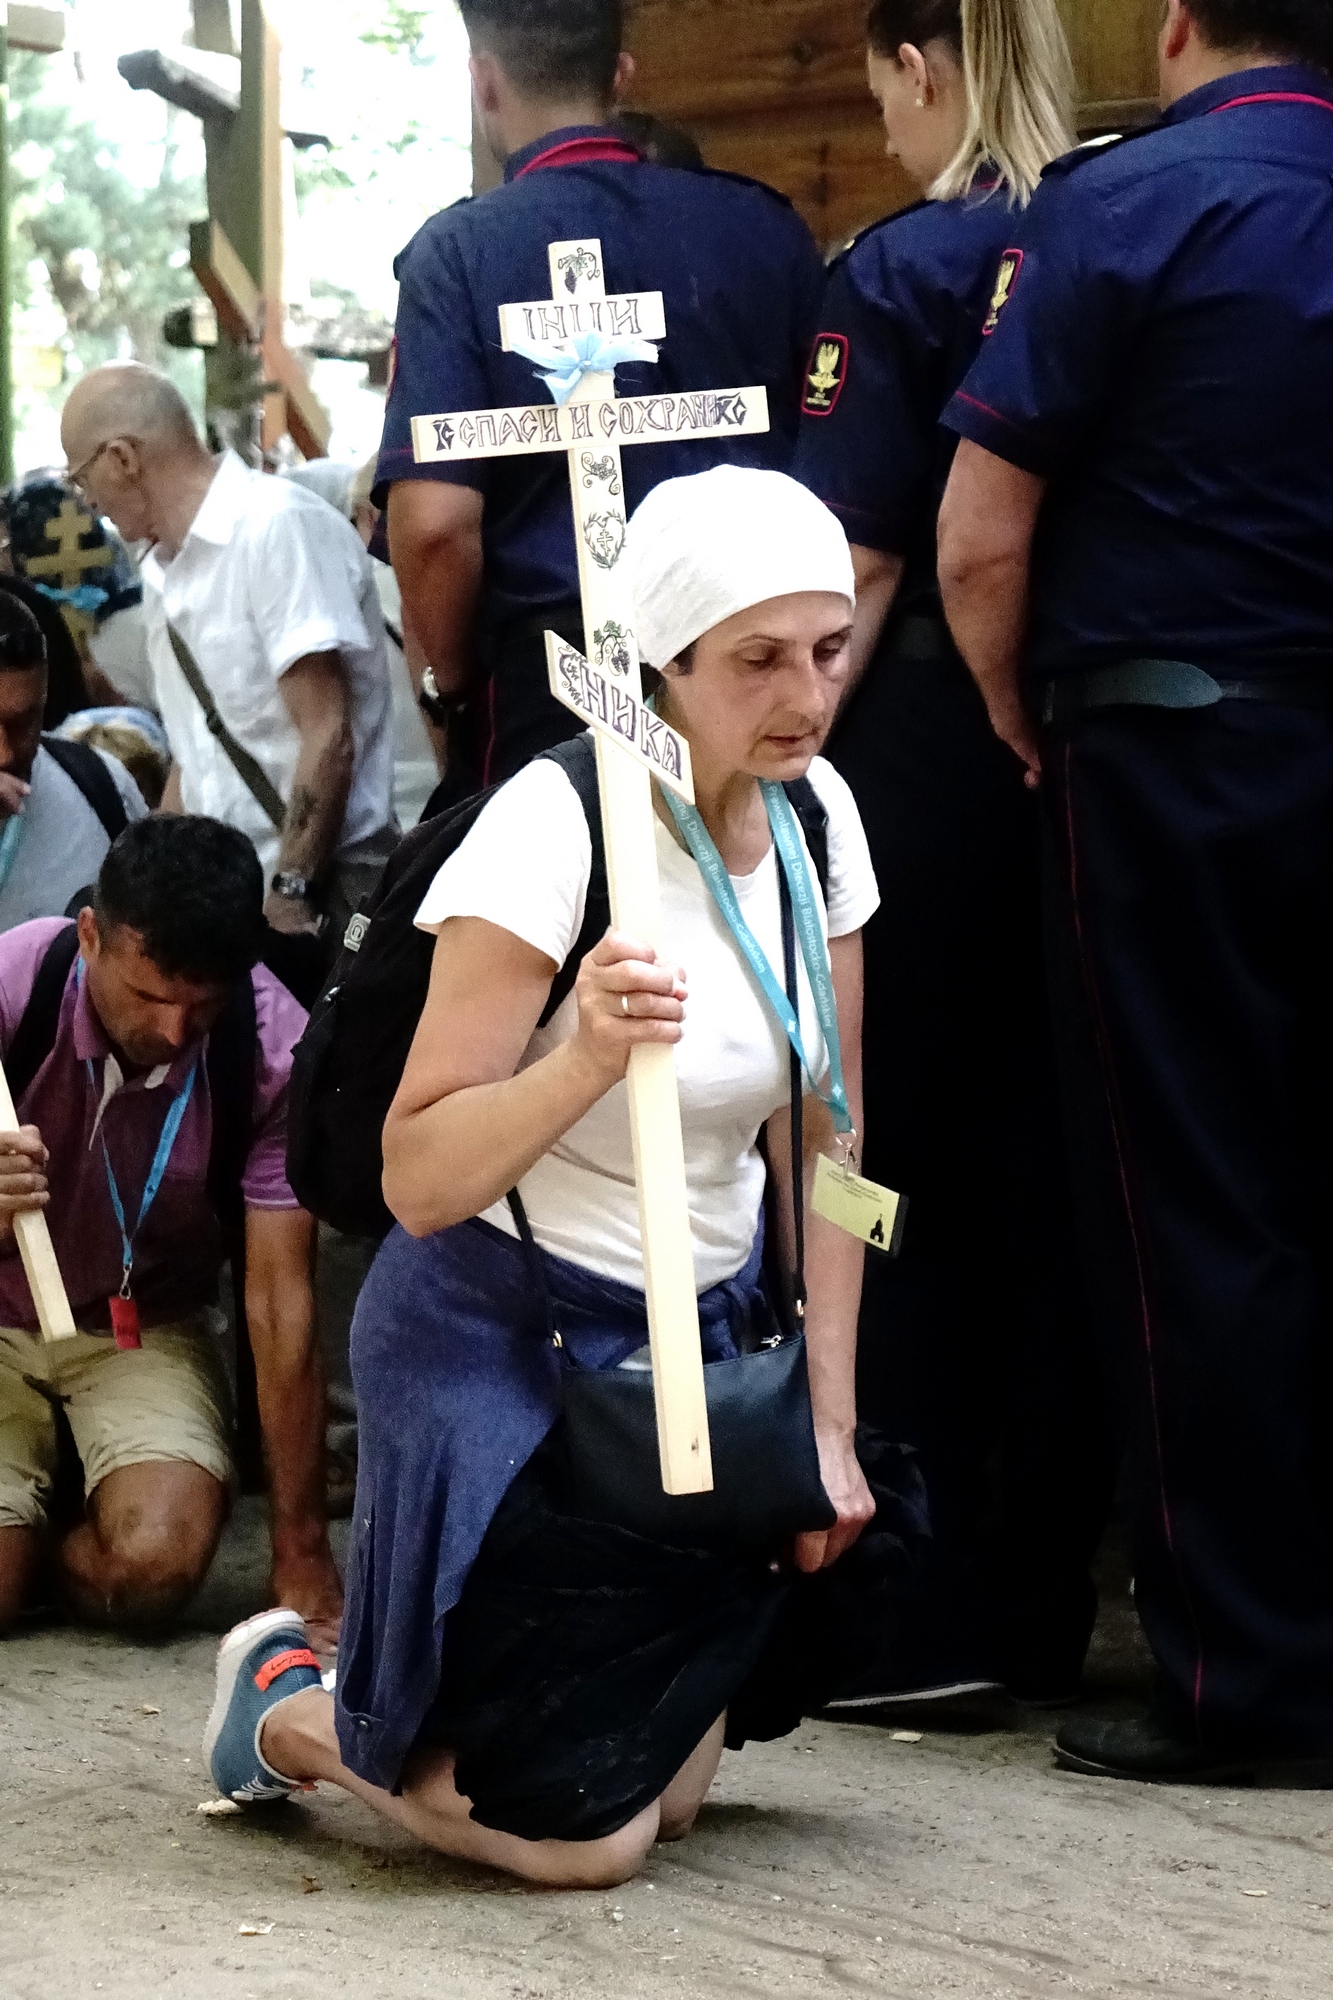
826	374
1095	149
1006	278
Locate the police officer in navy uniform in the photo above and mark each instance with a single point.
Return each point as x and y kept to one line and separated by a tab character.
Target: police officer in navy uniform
974	1346
1137	561
485	551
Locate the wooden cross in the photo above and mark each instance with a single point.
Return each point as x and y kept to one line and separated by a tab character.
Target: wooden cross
239	265
33	1237
71	559
607	692
237	253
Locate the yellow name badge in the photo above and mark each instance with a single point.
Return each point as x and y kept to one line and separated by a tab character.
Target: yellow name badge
874	1214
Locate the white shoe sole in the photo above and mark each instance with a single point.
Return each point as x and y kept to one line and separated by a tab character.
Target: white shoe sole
943	1692
231	1656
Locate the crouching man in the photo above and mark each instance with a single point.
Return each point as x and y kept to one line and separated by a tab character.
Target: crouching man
149	1057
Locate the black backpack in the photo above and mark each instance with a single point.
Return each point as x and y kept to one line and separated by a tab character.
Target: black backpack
351	1059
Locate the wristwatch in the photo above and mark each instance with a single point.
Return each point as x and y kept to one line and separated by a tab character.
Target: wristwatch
439	707
292	888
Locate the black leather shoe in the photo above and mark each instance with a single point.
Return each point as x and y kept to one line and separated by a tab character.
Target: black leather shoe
1143	1747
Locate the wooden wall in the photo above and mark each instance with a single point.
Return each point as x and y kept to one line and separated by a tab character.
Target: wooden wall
777	89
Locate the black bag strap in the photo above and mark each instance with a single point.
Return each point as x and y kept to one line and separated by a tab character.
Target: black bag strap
810	810
247	768
35	1036
578	760
230	1066
84	768
797	1102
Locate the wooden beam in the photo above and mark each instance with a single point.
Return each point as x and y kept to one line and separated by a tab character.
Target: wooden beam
1117	114
33	1237
717	58
307	419
1114	44
828	160
39	29
235	296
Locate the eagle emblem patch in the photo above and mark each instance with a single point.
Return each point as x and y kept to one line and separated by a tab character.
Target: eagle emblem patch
826	375
1010	265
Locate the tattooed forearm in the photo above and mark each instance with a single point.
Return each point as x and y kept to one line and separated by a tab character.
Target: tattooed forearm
315	692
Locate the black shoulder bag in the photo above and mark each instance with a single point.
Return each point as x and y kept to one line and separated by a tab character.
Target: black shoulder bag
766	1483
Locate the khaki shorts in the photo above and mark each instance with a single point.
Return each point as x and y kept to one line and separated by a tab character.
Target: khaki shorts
167	1400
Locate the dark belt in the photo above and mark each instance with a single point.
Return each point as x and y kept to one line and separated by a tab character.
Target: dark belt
1177	684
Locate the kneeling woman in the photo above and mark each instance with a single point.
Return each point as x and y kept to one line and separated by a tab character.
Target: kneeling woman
519	1684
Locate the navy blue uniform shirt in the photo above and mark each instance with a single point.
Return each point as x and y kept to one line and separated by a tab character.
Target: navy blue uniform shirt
1164	356
740	277
899	328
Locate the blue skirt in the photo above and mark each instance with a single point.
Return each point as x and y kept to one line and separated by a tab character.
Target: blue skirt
456	1388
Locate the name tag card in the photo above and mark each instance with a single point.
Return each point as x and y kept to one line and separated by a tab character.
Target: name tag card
626	316
873	1214
617	714
527	429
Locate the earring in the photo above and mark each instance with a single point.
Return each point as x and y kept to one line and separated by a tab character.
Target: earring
921	104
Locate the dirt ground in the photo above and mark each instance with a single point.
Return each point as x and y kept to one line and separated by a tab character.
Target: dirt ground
840	1861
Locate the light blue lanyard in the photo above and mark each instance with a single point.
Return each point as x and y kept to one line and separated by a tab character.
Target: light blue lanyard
159	1167
805	910
10	840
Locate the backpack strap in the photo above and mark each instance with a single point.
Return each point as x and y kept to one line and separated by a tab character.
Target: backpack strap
84	768
230	1066
35	1036
578	760
811	811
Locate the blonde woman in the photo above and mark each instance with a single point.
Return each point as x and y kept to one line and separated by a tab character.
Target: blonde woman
976	1358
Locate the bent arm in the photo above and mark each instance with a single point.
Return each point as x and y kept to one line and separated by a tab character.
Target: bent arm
834	1263
988	522
878	575
435	544
289	1371
315	694
464	1129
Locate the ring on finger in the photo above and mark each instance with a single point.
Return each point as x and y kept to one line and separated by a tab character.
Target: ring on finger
624	1004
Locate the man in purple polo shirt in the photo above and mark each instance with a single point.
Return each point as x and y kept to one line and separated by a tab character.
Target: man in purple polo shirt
152	1003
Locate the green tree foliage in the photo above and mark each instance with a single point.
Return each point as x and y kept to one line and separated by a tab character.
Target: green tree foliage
113	252
401	30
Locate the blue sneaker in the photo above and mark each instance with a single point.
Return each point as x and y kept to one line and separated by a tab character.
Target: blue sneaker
261	1663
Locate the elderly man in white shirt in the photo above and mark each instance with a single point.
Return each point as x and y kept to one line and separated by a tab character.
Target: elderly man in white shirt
266	641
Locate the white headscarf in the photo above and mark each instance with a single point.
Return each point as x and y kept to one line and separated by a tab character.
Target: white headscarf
706	547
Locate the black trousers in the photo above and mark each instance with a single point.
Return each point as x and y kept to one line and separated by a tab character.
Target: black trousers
513	716
974	1347
1192	933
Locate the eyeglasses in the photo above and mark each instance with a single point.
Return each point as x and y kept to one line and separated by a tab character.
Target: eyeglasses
77	478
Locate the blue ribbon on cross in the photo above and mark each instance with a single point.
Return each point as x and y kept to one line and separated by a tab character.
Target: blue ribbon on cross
563	367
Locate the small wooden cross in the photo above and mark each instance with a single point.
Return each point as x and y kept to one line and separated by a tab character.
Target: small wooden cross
606	691
71	559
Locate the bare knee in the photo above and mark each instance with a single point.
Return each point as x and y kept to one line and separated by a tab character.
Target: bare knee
143	1553
606	1863
20	1550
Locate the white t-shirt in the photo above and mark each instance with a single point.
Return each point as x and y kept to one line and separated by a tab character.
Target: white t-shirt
525	866
268	573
